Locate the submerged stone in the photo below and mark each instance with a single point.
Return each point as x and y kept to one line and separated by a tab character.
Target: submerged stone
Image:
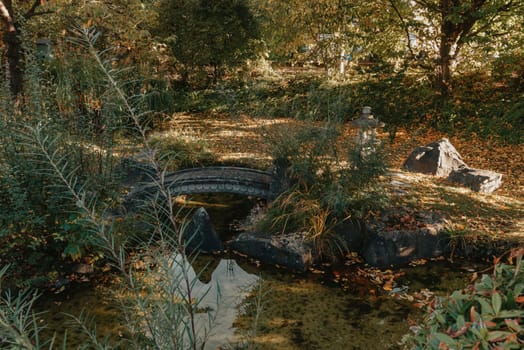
200	234
288	250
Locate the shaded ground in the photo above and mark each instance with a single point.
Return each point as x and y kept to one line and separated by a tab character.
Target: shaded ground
245	140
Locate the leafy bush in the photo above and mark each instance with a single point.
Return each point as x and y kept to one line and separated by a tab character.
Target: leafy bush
509	70
486	315
39	228
206	38
325	189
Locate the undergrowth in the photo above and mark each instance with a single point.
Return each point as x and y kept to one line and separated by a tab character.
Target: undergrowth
176	154
159	304
40	226
325	185
401	99
485	315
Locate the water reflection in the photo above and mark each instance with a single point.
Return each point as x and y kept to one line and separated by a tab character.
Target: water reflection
220	298
300	311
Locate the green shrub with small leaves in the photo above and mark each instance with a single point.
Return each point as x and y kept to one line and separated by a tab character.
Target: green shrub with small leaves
486	315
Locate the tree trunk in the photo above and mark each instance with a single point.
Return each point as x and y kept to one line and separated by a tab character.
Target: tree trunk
444	68
14	61
447	38
13	46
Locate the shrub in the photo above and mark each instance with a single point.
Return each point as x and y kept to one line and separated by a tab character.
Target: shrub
206	38
509	69
160	305
38	230
325	189
486	315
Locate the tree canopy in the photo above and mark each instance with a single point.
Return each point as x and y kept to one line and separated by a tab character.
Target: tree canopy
455	29
216	34
205	38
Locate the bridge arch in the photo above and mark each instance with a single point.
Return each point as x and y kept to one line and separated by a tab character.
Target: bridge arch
218	179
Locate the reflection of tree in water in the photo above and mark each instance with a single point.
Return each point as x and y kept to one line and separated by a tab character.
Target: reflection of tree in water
218	299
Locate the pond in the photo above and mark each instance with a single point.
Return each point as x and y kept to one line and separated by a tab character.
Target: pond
307	311
332	307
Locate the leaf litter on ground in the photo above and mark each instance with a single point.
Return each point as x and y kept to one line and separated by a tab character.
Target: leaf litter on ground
477	216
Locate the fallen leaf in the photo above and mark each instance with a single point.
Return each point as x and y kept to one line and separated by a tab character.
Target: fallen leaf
519	299
460	331
388	286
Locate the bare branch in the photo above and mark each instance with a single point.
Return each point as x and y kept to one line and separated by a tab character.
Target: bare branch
32	10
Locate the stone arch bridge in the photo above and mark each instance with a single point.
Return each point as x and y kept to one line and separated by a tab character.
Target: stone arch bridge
217	179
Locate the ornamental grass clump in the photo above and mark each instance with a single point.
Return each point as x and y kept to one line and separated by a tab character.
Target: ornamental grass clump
486	315
326	185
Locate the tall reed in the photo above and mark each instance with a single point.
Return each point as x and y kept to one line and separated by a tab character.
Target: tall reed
158	303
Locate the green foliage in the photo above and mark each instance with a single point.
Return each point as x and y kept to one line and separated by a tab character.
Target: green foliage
39	228
509	70
19	328
87	109
481	105
514	122
485	315
396	99
208	37
327	186
167	307
466	34
159	97
320	31
29	235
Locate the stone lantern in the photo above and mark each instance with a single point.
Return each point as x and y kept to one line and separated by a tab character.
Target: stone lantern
44	49
367	131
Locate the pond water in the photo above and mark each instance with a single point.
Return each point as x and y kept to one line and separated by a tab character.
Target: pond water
333	307
307	311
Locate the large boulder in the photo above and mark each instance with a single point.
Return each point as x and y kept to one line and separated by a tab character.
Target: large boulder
438	158
287	250
479	180
418	235
351	235
199	234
